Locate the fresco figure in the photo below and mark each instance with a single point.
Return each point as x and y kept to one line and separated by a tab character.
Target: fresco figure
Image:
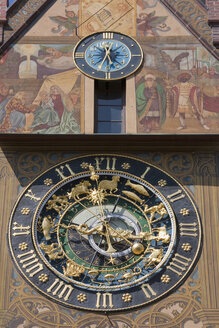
187	99
148	24
55	113
45	115
151	103
6	93
17	116
66	25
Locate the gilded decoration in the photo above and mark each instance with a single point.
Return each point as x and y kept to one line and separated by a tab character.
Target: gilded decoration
184	309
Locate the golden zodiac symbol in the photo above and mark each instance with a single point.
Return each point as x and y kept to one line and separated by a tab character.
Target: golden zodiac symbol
58	203
73	269
53	252
160	209
139	188
154	258
129	275
46	225
110	185
133	196
80	189
162	234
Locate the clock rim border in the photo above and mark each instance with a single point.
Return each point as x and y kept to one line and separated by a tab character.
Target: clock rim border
107	80
189	271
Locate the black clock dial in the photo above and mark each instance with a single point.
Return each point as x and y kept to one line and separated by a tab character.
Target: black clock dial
108	55
104	232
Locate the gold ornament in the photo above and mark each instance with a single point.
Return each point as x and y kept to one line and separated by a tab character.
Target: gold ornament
184	211
25	211
126	297
81	297
43	277
162	183
186	247
165	278
48	182
23	246
137	248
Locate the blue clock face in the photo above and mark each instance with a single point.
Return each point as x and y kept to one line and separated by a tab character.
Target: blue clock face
108	56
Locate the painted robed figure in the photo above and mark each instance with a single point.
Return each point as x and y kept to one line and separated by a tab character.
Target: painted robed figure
151	103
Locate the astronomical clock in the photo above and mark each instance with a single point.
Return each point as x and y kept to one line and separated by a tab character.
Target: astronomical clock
104	233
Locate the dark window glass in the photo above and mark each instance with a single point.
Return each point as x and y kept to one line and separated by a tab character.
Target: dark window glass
109	113
108	127
109	106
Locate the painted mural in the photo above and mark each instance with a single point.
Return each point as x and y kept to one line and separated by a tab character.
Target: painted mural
177	90
40	90
62	19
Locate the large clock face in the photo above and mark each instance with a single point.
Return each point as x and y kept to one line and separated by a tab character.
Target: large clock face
104	232
108	55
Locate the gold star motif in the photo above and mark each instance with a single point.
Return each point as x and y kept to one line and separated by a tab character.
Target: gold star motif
23	246
112	260
43	277
25	211
81	297
184	211
186	247
165	278
126	166
126	297
47	182
162	183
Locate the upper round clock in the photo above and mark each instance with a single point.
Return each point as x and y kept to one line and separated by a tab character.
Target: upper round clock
107	55
104	233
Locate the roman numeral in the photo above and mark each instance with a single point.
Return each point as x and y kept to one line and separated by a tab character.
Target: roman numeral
79	55
179	264
20	230
31	195
107	75
188	229
104	298
145	172
148	291
31	263
107	35
60	289
173	197
110	163
63	168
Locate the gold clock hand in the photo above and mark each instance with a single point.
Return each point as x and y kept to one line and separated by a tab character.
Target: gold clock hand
107	54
